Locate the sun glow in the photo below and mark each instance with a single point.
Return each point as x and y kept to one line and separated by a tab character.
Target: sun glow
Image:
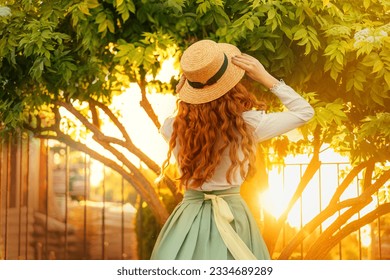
283	182
141	129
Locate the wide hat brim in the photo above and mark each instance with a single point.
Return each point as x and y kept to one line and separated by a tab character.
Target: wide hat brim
226	82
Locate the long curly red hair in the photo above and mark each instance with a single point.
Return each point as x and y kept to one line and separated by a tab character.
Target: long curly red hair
201	132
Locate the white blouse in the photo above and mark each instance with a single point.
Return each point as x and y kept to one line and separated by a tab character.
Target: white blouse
266	126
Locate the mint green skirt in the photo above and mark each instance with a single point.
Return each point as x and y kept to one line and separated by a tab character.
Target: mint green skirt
190	232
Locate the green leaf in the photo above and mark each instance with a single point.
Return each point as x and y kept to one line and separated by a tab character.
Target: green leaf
5	12
130	5
377	99
387	78
287	31
83	7
203	8
92	4
176	4
378	66
220	17
301	33
320	117
303	42
336	109
271	14
136	56
269	45
240	21
249	24
110	26
102	27
101	17
256	4
358	85
309	11
339	58
366	4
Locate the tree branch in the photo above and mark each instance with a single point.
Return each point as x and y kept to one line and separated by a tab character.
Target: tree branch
134	177
349	178
343	218
333	206
94	129
99	137
351	227
112	116
307	229
146	104
129	145
95	116
368	175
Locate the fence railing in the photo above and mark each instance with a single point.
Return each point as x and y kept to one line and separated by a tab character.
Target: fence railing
371	241
56	203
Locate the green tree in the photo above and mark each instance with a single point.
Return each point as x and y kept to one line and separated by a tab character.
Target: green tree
58	53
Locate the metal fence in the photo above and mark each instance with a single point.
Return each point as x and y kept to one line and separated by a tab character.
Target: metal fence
52	206
371	241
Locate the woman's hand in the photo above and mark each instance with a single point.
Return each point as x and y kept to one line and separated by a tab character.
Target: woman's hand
254	69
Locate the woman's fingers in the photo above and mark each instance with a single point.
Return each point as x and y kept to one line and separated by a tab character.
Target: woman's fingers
254	69
242	62
245	57
242	59
250	64
250	61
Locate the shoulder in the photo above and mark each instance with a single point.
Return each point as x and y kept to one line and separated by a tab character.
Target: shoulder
167	128
253	117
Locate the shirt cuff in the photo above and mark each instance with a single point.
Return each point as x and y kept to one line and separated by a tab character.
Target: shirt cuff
276	87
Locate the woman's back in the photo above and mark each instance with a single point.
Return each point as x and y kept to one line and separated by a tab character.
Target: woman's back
213	138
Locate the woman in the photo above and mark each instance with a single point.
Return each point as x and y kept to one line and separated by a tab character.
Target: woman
213	138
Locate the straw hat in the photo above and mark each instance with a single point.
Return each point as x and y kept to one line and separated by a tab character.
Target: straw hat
208	72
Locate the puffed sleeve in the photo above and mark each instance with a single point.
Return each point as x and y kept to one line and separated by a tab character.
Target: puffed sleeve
299	112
